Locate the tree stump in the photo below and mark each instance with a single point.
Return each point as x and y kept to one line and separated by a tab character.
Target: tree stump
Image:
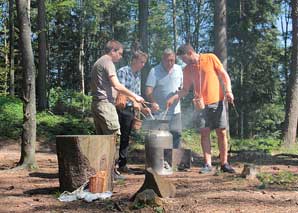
81	156
250	171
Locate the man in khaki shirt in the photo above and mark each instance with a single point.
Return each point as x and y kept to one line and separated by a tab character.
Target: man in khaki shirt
103	83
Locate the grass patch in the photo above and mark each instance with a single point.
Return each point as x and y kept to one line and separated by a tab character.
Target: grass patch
289	150
191	140
284	178
261	144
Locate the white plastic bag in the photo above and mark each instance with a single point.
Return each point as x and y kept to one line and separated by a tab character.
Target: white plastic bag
80	193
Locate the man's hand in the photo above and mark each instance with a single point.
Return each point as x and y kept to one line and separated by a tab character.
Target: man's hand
146	110
155	107
171	101
139	99
120	101
137	106
230	97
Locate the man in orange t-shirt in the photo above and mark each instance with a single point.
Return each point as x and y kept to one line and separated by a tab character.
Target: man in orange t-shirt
204	72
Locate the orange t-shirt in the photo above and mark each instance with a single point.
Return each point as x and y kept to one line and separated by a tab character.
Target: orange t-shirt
204	76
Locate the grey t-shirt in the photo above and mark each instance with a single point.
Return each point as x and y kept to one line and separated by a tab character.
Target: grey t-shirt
165	84
101	87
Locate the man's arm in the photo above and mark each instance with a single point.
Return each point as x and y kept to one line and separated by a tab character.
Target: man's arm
149	95
180	94
227	83
121	88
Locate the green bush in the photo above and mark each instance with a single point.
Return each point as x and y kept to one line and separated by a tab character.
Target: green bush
11	117
268	120
48	124
262	144
69	101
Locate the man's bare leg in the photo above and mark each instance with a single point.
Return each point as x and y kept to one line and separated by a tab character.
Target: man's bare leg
222	145
206	145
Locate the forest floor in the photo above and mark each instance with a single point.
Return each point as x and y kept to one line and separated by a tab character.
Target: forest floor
37	191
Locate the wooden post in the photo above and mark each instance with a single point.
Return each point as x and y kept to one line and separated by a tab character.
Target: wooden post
81	156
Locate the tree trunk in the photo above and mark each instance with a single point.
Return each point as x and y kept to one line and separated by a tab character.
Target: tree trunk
11	49
42	56
82	40
187	21
81	65
174	25
6	61
284	23
221	31
143	23
143	37
291	117
29	104
220	24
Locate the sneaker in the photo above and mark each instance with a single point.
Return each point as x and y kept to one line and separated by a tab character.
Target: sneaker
117	176
227	168
206	169
125	169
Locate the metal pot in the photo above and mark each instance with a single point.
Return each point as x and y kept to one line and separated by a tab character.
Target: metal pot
157	139
155	125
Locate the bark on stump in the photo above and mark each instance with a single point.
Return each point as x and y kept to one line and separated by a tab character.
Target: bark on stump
163	188
81	156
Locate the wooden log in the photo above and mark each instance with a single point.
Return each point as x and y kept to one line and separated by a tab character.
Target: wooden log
81	156
250	171
162	187
97	182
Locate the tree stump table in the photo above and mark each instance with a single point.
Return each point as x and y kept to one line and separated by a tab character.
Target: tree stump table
81	156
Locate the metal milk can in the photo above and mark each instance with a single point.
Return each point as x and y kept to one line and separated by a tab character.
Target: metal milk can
157	139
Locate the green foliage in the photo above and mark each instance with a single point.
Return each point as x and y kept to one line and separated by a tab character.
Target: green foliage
57	194
138	205
263	144
11	116
268	120
3	79
281	178
69	101
192	140
254	58
138	136
161	36
159	209
49	125
290	150
265	121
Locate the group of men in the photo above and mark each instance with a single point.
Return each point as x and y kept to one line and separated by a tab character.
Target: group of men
165	86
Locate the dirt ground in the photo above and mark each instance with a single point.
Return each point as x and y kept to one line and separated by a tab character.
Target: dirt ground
37	191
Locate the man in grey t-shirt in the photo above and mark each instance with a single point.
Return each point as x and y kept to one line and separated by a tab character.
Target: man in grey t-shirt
163	82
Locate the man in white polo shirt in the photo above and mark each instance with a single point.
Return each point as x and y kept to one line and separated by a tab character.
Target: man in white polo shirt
163	82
